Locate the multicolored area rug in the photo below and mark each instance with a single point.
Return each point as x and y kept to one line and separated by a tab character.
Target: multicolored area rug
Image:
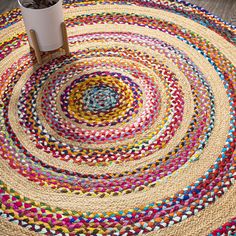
133	134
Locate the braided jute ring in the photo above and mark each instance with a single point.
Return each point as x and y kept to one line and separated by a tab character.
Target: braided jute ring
133	133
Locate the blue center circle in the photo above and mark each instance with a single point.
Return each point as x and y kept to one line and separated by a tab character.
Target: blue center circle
100	98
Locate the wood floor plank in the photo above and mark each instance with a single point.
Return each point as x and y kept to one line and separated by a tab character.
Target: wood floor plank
233	16
225	9
7	5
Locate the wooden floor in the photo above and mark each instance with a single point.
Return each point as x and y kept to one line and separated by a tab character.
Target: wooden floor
6	5
226	9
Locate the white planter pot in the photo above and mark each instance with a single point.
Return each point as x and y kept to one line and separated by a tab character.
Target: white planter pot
47	25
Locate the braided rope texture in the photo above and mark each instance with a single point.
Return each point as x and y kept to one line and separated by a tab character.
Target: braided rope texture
133	133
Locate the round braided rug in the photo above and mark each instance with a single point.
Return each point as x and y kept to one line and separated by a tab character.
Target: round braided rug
133	134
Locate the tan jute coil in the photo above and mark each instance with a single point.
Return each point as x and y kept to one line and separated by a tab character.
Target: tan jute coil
212	216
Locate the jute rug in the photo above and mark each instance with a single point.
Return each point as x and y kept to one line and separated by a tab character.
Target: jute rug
133	134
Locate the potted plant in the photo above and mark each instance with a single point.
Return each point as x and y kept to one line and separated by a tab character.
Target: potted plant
44	25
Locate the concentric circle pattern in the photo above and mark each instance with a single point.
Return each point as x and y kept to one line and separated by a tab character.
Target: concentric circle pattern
134	132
